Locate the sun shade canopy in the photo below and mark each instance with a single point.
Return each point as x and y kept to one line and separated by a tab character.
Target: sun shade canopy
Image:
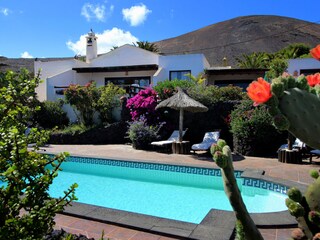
182	102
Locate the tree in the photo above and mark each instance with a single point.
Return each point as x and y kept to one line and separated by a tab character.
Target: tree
253	61
276	62
152	47
83	99
109	97
199	79
295	50
277	66
27	211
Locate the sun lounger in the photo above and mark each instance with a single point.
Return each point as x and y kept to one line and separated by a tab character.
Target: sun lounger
315	152
208	139
174	137
297	144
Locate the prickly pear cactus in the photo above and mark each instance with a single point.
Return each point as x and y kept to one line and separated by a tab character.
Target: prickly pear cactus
221	153
295	107
306	209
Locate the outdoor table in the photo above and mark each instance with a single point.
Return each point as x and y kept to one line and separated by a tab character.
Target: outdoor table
290	156
181	147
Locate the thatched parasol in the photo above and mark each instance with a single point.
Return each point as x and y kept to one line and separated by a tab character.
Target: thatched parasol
181	101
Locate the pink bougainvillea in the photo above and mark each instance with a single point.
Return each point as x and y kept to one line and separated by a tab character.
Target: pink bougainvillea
143	104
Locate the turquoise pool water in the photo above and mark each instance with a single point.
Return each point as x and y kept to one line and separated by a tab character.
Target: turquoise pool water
173	192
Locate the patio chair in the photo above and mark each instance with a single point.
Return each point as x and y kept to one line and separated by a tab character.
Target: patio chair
314	152
208	139
299	152
298	144
167	143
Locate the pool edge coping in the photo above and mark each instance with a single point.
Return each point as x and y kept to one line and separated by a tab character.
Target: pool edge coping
185	230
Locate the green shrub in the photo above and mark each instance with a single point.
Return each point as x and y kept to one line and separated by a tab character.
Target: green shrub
209	95
253	132
109	98
83	99
72	129
166	89
51	115
26	211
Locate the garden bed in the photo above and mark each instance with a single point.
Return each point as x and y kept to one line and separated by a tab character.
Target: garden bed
112	134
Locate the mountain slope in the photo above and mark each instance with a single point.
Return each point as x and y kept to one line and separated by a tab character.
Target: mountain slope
243	35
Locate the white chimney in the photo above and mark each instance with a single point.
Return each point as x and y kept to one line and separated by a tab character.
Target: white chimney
91	51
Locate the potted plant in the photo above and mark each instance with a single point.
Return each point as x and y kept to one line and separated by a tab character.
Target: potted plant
141	134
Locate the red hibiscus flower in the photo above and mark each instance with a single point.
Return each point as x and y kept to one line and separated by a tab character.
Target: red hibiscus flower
313	79
315	52
259	91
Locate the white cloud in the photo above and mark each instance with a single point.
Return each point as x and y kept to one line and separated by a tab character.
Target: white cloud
106	40
26	55
98	12
136	15
5	11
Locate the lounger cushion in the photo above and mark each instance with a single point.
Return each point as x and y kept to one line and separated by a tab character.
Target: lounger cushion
201	146
208	140
159	143
297	144
315	152
173	138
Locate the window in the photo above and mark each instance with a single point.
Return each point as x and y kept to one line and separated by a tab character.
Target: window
141	81
309	71
89	41
130	83
237	83
180	75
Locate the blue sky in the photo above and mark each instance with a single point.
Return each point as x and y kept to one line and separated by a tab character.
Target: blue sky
56	28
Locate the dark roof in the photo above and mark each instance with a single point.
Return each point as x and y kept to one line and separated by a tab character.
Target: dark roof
117	68
15	64
224	71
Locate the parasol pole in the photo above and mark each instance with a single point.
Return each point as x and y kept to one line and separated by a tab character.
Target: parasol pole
180	124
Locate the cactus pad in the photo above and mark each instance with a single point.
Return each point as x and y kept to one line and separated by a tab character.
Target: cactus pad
224	160
295	194
301	108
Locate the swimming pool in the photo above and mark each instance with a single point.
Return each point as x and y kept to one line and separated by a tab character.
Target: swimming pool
174	192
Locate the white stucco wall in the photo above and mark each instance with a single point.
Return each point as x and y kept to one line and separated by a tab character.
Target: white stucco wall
194	62
61	80
49	69
126	55
302	64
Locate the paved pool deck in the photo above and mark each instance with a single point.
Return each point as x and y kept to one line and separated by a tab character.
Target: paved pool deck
297	173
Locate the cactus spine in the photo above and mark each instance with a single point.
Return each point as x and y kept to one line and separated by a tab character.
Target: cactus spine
222	156
295	107
306	208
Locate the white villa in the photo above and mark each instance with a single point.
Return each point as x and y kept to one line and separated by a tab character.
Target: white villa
304	66
125	65
129	66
